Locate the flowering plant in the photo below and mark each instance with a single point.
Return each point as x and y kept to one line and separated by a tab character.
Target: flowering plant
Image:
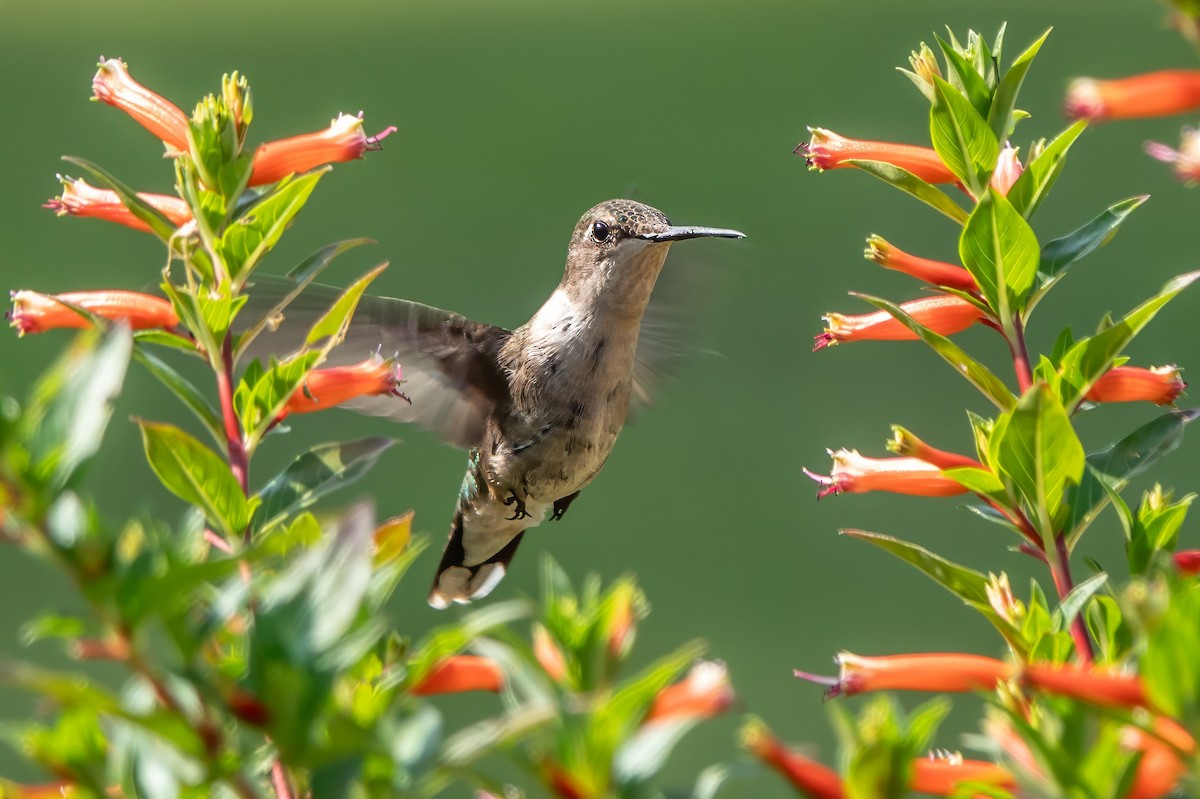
253	636
1096	694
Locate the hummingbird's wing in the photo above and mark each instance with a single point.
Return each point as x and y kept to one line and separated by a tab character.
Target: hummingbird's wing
449	362
672	326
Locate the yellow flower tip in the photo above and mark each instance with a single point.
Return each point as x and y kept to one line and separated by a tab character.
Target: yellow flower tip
33	312
460	673
332	386
704	692
112	84
343	140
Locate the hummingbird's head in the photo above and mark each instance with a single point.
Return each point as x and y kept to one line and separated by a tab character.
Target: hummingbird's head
618	249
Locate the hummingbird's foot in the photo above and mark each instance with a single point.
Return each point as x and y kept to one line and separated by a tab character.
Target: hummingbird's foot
561	505
520	512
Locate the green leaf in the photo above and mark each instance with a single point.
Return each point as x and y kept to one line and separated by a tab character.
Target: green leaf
979	481
1060	253
71	404
182	388
218	308
253	233
1005	100
159	224
909	183
1036	448
1091	357
1000	251
314	474
331	327
262	401
967	584
1075	601
1041	173
962	139
303	274
643	754
979	375
972	83
195	474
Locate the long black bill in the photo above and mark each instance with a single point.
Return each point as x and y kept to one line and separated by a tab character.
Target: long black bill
677	233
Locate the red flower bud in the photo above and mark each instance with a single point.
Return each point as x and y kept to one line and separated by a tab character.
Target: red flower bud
704	692
1171	91
806	775
548	654
325	388
936	272
1188	561
942	313
1161	385
81	199
461	673
343	140
113	85
1008	169
34	313
828	150
856	474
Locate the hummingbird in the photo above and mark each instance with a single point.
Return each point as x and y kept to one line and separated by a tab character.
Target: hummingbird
537	408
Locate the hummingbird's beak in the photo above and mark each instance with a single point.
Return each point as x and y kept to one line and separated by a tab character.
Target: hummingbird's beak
676	233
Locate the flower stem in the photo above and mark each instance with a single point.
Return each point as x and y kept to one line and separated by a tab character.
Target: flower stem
1060	570
238	459
1020	354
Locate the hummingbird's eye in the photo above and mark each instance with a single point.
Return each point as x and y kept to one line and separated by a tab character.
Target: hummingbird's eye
600	232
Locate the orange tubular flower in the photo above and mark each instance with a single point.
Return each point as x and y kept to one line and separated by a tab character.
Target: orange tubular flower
704	692
82	199
1185	160
1100	688
1161	385
1161	766
808	776
461	673
943	313
35	313
906	444
1188	561
548	654
1155	94
941	776
325	388
828	150
936	272
856	474
113	85
343	140
944	672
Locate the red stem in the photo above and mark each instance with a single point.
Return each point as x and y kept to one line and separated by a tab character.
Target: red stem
1060	570
1020	354
238	461
279	781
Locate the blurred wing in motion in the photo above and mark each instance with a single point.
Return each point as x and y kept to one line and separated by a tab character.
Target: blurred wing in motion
449	362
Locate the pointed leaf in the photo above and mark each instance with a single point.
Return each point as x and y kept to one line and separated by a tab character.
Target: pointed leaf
971	80
260	227
1005	100
332	325
195	474
1091	357
182	388
979	375
962	138
314	474
1060	253
1075	601
1000	251
71	404
1036	447
1041	173
967	584
909	183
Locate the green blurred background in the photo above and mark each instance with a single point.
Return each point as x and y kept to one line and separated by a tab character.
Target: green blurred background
516	117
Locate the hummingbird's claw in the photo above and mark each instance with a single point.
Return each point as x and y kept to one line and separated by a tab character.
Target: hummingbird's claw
561	505
520	512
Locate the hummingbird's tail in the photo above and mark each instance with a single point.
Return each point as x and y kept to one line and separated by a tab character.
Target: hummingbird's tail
456	581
